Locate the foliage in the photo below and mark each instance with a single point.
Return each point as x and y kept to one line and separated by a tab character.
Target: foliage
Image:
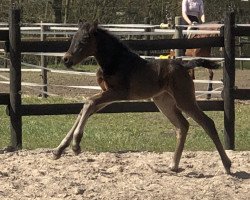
114	11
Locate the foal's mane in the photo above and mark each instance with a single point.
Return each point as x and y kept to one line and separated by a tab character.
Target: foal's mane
106	35
112	54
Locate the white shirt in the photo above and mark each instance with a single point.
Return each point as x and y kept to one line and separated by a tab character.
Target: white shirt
193	7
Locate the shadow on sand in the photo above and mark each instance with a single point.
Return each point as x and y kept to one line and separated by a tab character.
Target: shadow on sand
241	175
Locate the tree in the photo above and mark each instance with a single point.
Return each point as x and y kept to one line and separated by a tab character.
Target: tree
57	7
113	11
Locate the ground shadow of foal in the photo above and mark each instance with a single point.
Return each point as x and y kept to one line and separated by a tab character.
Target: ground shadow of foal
123	75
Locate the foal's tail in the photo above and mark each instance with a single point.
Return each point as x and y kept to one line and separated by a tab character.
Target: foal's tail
209	64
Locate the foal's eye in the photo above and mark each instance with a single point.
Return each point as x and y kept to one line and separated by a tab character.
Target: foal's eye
82	42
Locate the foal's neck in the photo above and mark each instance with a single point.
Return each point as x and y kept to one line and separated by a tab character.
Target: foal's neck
111	54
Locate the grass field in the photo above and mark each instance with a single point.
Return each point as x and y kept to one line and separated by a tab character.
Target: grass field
121	132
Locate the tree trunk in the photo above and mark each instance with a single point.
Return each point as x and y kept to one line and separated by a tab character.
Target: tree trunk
57	7
66	11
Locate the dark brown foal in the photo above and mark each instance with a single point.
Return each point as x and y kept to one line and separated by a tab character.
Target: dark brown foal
123	75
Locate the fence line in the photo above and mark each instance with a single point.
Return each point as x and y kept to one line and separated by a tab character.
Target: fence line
99	88
93	74
17	110
118	29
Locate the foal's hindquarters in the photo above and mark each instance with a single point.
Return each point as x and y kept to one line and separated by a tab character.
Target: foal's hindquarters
172	90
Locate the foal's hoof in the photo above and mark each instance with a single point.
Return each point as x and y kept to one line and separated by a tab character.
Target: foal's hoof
228	167
56	155
76	150
173	168
228	171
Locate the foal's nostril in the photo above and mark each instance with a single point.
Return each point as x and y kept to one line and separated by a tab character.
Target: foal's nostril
65	59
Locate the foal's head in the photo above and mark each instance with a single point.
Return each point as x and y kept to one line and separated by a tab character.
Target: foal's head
82	45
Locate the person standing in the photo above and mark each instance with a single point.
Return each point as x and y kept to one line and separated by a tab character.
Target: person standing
193	11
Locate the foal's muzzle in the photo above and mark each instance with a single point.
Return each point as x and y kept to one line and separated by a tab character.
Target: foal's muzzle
67	60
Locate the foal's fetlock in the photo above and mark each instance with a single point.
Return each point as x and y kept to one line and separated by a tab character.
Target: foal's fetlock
227	166
76	149
173	167
56	154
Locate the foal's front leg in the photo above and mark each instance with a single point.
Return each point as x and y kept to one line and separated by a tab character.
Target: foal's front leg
89	108
67	139
92	105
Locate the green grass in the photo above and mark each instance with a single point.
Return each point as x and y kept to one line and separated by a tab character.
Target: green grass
121	132
245	65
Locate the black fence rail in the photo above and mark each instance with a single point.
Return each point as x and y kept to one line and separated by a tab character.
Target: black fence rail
4	98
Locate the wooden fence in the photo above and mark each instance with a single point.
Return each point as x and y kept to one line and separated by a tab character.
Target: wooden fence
14	45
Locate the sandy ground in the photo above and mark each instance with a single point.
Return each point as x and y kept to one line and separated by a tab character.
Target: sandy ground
124	176
33	174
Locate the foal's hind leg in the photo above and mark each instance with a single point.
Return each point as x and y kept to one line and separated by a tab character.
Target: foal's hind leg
208	125
190	107
182	89
167	106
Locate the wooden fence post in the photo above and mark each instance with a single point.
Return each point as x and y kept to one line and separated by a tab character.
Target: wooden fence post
178	35
229	81
44	65
15	77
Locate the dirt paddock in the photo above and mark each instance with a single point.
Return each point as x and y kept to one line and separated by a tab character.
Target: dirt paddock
29	175
124	176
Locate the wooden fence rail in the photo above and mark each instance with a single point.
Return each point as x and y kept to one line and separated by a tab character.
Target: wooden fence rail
116	107
137	45
4	35
242	31
16	110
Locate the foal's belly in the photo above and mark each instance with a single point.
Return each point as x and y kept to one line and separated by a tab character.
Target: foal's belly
144	92
145	84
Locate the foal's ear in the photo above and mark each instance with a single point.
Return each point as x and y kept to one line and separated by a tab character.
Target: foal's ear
94	26
81	22
95	23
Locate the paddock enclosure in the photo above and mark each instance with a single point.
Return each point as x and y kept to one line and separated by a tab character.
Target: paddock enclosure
15	46
122	175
